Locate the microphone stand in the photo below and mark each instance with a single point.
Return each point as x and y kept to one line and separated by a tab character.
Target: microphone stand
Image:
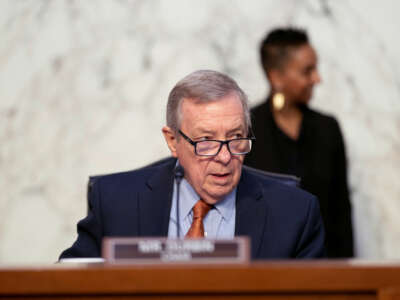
178	173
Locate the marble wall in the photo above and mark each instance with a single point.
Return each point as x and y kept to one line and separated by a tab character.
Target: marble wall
83	87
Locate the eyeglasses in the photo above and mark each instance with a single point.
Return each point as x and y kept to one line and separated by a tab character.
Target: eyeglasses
238	146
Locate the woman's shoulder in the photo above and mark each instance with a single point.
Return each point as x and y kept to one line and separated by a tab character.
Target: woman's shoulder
260	108
321	118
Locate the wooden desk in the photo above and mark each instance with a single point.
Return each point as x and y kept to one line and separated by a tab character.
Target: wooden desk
267	280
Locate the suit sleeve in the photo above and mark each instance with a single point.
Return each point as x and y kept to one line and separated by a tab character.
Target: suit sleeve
88	243
312	240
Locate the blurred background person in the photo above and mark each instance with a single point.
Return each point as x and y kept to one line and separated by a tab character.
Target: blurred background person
294	139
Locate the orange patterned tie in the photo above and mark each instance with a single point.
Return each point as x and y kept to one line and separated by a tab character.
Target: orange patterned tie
200	210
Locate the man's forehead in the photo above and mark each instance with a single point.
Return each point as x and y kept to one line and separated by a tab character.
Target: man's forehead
228	101
204	127
202	115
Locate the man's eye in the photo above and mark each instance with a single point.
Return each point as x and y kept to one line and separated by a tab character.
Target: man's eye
238	136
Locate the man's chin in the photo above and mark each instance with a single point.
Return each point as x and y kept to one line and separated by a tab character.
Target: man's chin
215	195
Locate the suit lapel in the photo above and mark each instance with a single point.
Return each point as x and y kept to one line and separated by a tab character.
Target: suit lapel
155	201
251	210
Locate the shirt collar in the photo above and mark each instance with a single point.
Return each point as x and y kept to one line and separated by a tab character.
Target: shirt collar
189	198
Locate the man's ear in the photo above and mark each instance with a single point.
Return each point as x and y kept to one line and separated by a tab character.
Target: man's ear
170	138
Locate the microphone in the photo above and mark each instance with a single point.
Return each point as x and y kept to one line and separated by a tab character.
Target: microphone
178	174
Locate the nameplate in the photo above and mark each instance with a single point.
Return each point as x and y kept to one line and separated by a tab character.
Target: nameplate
163	250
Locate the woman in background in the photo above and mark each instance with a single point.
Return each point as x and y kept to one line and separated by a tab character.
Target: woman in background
294	139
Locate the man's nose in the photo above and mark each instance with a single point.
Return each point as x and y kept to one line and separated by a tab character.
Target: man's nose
224	156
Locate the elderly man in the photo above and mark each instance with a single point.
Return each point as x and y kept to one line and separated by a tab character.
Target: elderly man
207	132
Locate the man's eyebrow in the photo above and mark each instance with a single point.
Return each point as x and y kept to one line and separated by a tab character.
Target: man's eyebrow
236	129
199	130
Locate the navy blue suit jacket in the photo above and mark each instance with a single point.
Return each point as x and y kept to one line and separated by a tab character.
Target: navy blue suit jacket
281	221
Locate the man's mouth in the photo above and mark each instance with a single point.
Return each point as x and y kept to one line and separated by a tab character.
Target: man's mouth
220	175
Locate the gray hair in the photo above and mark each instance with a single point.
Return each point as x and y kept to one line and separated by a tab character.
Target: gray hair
204	86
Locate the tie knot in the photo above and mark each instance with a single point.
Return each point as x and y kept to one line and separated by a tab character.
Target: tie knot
200	209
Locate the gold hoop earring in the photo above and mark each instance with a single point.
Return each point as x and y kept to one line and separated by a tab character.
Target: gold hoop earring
278	101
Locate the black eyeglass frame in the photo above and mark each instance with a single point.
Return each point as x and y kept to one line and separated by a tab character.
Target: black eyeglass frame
221	143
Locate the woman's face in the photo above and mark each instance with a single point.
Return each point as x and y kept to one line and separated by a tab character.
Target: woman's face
299	75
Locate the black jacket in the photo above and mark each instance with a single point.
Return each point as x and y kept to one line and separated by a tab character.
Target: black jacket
319	161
